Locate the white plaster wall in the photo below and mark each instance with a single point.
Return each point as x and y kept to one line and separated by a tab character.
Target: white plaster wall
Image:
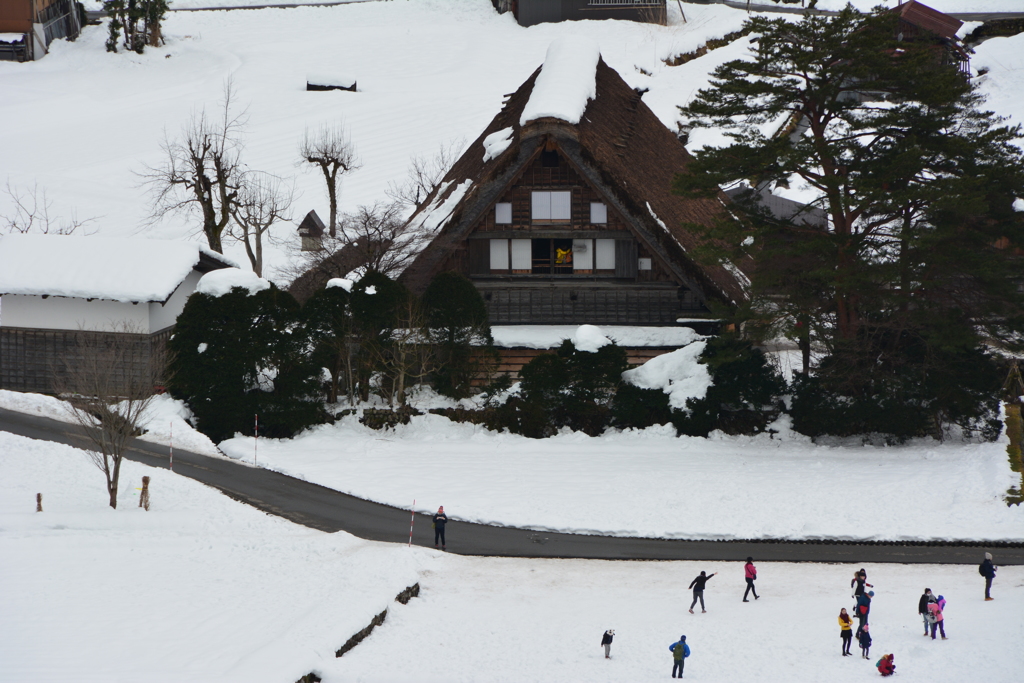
162	316
62	313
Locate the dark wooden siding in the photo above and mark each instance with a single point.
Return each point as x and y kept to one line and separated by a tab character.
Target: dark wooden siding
508	304
30	358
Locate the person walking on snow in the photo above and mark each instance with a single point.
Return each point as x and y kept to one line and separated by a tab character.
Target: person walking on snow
606	641
440	519
845	631
750	573
988	570
864	640
698	591
864	608
680	651
936	618
922	607
860	579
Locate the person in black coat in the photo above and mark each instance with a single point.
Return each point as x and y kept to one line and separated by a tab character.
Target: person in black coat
698	590
440	519
988	570
922	606
606	641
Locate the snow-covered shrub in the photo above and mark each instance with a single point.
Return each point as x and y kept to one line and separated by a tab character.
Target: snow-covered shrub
638	407
744	396
254	361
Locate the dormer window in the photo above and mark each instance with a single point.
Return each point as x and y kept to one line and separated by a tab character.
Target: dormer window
552	206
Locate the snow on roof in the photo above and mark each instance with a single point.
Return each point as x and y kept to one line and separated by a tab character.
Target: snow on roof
119	269
589	338
567	81
220	282
11	37
329	79
496	143
552	336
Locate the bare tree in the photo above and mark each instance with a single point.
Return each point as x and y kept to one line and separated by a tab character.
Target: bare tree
330	148
32	212
108	381
202	170
384	240
425	172
262	200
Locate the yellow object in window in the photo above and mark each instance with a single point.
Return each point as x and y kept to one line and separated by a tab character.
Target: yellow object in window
563	257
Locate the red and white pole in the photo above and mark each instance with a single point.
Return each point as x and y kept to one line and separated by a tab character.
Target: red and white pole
412	520
171	446
256	443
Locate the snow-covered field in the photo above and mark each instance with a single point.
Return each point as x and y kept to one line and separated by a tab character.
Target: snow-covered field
430	72
201	588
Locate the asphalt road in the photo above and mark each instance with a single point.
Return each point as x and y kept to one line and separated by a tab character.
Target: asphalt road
328	510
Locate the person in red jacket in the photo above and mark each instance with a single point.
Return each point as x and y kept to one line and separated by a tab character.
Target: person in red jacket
885	665
750	573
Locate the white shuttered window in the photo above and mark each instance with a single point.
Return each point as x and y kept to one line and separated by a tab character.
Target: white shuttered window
552	206
598	213
604	254
522	254
499	254
583	254
503	213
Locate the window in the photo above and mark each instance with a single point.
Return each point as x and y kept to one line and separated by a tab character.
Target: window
604	254
645	264
499	254
598	213
522	255
551	256
552	206
503	213
549	159
583	255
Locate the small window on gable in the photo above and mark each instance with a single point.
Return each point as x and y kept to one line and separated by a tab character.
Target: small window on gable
549	159
503	213
598	213
604	254
552	206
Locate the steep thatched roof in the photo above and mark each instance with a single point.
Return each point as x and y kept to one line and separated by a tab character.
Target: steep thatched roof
620	147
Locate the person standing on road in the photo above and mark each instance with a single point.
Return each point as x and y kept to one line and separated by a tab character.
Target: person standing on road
680	651
864	640
440	519
845	631
988	570
922	607
935	616
698	590
606	641
750	573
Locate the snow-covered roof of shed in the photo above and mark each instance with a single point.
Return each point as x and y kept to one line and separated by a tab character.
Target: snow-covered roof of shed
118	269
566	83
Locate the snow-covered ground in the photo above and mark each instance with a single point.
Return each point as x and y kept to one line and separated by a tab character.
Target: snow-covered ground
429	72
202	588
654	484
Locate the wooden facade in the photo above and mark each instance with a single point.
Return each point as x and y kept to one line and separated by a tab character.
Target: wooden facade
530	12
577	224
40	22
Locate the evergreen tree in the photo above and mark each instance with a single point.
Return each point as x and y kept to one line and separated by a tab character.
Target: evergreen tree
140	21
458	327
327	318
378	307
916	264
239	355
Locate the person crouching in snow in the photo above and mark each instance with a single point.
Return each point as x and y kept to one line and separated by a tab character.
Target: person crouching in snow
606	640
750	573
864	638
885	665
680	651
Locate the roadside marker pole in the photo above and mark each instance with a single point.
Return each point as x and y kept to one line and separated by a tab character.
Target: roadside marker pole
171	446
256	443
412	520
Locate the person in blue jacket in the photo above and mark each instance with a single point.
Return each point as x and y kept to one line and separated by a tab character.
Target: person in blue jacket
680	651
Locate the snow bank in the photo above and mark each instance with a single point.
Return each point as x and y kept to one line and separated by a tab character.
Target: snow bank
552	336
331	80
200	588
677	373
219	282
496	143
125	269
567	81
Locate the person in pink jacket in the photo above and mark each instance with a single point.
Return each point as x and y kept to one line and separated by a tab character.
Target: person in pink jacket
750	572
936	618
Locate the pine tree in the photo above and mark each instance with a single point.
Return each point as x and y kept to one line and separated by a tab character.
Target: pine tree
457	320
916	266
